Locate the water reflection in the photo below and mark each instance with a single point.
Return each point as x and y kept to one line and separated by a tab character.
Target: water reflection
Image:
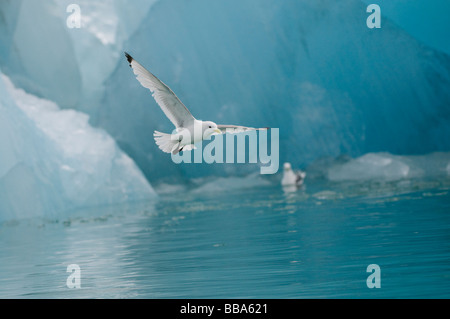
254	243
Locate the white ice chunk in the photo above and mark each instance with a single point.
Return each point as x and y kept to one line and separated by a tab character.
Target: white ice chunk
370	166
388	167
224	184
52	160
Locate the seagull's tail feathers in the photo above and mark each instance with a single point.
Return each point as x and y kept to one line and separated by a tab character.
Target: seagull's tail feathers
167	143
300	176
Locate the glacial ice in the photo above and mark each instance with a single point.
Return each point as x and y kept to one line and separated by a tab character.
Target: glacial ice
224	184
37	46
53	161
389	167
311	68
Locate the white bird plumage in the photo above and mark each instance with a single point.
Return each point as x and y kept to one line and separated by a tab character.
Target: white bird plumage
292	178
189	130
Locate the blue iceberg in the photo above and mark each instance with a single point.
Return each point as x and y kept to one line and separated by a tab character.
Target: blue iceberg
311	68
52	161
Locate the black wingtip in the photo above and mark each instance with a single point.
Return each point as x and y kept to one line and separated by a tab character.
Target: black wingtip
129	57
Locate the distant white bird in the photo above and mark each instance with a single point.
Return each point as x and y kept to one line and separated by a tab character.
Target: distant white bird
292	178
188	129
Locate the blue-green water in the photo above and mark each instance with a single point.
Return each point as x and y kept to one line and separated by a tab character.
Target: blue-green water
259	242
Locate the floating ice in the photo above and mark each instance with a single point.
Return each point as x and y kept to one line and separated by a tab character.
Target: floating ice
388	167
224	184
53	161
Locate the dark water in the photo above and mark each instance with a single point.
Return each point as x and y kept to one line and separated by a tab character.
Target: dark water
259	242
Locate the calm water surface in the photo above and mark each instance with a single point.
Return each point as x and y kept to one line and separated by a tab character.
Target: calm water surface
260	242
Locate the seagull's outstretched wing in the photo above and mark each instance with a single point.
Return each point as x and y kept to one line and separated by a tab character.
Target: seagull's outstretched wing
233	129
171	105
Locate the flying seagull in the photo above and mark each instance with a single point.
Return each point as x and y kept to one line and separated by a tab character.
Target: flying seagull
189	130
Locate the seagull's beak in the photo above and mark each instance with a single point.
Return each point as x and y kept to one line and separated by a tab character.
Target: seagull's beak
217	131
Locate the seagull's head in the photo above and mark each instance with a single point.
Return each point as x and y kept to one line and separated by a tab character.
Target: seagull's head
287	166
210	128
